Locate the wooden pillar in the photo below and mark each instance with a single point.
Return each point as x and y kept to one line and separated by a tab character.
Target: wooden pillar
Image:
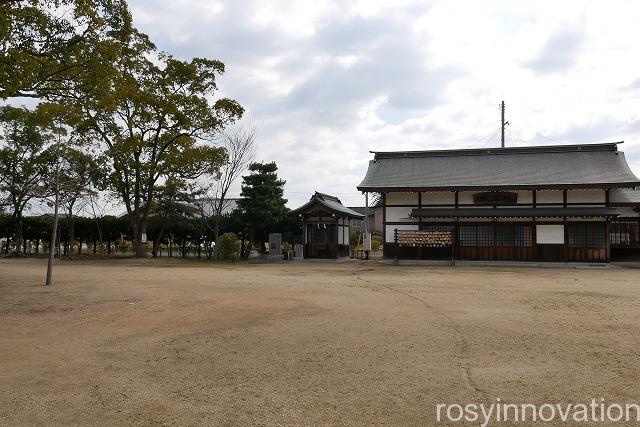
566	238
337	237
534	198
607	241
384	222
534	239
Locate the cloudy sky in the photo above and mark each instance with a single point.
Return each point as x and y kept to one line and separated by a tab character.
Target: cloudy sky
325	81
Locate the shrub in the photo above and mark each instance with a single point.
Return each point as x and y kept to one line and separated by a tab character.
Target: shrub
376	242
228	246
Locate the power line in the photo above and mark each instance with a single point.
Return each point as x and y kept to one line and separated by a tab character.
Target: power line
488	135
493	135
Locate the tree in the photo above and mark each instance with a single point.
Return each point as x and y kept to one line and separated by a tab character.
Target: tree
240	147
155	119
47	46
173	200
24	161
261	204
78	171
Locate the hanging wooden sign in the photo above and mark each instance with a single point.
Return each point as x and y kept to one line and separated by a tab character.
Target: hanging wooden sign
494	198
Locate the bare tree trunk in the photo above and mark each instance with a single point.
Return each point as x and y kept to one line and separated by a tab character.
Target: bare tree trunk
140	234
17	218
156	242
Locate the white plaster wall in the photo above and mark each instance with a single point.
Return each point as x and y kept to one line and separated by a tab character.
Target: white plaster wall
390	230
346	235
586	196
395	214
466	197
402	199
525	196
438	198
550	234
549	196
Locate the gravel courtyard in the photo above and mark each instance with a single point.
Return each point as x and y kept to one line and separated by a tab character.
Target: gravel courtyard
172	342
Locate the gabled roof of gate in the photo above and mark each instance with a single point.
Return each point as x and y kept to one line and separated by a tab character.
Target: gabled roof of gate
330	203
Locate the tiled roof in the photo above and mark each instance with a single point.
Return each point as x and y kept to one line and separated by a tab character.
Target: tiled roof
557	166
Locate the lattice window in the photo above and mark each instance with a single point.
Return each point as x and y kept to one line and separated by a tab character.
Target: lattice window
586	236
624	232
467	235
523	236
484	235
504	235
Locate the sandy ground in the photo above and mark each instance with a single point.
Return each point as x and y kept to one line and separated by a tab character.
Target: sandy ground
184	343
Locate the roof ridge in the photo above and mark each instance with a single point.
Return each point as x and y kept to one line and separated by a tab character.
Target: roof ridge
531	149
324	196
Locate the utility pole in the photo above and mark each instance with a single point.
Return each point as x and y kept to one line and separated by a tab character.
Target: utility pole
502	123
54	230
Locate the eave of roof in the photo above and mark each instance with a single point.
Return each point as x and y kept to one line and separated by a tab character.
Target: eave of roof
332	206
599	186
625	197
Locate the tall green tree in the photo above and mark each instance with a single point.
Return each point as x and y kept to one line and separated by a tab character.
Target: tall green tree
262	205
49	46
24	161
155	119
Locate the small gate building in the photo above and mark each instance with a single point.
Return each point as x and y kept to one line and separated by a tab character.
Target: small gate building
326	226
543	203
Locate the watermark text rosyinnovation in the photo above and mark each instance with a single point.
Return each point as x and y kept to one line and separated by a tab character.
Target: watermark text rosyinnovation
597	410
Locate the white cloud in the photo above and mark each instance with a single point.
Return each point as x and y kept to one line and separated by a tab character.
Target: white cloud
326	82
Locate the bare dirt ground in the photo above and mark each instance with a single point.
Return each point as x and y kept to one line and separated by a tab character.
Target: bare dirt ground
170	342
